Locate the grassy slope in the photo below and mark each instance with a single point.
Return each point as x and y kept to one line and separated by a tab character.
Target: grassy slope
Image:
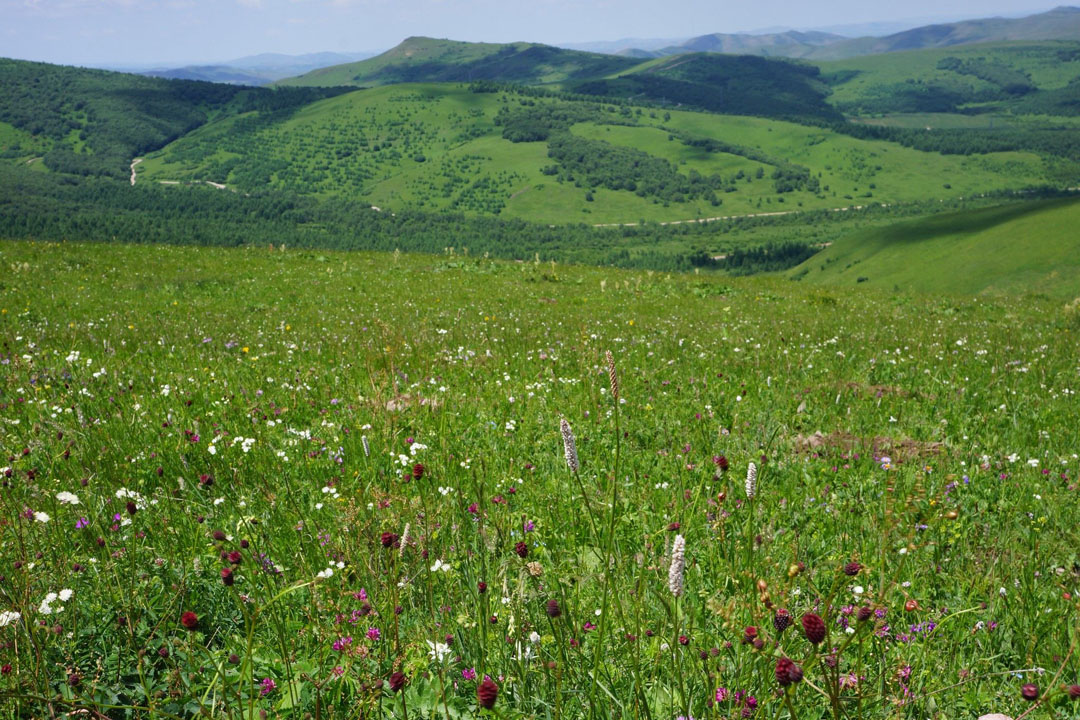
421	59
1025	247
330	148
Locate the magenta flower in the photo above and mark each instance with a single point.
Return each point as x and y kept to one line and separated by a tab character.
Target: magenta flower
373	633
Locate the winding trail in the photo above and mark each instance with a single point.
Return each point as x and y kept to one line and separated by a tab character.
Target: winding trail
736	217
134	162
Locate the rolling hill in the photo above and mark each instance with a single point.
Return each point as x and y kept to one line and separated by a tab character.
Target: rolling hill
439	147
421	59
1017	78
1030	247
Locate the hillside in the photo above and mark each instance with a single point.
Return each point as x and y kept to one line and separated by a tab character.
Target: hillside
421	59
548	159
729	84
1030	247
93	122
1017	78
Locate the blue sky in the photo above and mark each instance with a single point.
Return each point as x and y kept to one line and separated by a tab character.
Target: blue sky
134	32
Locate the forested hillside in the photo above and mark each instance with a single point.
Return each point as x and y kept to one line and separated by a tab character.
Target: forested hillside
93	122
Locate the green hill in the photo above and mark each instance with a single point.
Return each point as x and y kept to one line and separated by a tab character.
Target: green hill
93	122
1030	246
1013	78
422	59
546	158
730	84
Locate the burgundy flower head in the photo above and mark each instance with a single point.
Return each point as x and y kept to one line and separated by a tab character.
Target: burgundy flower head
487	693
814	627
787	672
397	681
189	620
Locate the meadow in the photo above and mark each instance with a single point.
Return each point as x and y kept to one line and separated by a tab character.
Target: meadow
440	148
263	482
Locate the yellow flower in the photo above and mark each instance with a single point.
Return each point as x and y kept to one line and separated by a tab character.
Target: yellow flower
244	349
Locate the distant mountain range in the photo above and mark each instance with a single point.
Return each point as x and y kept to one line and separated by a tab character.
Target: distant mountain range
1062	23
260	69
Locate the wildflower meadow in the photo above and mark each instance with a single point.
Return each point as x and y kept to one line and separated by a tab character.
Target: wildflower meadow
250	483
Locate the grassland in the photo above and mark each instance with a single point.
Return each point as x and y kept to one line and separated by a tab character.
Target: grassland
238	435
436	147
1031	247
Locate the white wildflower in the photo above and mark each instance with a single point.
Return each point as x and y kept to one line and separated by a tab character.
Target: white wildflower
751	481
67	498
678	564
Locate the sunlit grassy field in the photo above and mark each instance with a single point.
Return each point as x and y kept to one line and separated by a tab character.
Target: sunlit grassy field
246	483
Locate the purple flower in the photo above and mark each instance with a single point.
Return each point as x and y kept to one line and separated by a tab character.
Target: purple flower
268	686
373	633
343	642
81	523
468	674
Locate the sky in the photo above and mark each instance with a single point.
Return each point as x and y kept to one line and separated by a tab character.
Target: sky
177	32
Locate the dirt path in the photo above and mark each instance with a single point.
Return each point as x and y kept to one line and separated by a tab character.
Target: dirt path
736	217
134	162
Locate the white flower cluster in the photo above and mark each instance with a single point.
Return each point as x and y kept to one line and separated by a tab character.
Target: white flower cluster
46	607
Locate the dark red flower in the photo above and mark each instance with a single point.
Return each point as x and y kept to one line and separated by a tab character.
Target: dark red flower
397	681
864	614
1074	692
1030	692
787	672
814	627
189	620
852	569
553	609
219	536
487	693
6	669
481	587
683	640
235	557
417	471
721	462
131	508
522	550
781	620
389	539
749	634
227	576
74	680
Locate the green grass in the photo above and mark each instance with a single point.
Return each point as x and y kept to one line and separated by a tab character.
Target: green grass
1030	247
271	403
365	144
